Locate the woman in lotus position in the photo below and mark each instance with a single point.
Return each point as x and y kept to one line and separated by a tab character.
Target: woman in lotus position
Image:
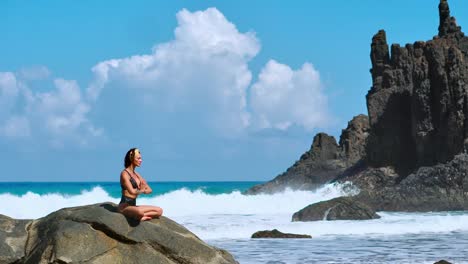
133	185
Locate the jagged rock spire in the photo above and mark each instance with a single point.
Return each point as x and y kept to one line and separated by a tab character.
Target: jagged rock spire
380	57
379	48
447	24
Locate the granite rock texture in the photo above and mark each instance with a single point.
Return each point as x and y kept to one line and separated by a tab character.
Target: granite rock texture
13	238
99	234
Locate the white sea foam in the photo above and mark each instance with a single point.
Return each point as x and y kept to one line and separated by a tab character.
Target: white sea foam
186	203
32	205
176	203
238	216
243	226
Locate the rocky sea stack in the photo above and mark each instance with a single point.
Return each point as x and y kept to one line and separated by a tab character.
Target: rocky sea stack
324	161
98	234
411	155
418	103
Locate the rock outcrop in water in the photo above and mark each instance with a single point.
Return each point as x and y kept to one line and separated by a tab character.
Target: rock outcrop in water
442	262
414	156
275	233
341	208
324	161
443	187
98	234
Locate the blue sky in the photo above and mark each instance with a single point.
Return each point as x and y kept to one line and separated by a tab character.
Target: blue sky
208	90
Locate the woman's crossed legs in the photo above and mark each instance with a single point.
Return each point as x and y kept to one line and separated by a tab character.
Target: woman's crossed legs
142	212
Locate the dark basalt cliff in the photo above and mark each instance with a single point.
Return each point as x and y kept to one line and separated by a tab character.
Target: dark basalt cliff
418	105
412	156
324	161
443	187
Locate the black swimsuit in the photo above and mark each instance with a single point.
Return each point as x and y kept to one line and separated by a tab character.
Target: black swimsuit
129	200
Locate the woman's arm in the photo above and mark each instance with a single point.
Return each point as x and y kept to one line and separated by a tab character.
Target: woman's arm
125	180
144	186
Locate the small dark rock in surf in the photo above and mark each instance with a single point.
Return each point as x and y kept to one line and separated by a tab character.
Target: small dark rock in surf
442	262
277	234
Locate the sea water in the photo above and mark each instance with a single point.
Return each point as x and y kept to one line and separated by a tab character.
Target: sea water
220	214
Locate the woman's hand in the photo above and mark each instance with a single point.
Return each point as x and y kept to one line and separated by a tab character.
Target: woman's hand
145	187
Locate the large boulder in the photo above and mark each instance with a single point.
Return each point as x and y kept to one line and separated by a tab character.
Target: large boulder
324	161
13	237
341	208
99	234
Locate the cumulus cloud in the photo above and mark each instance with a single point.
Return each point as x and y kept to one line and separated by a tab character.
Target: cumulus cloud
283	97
62	108
202	74
32	73
203	70
58	116
8	92
16	127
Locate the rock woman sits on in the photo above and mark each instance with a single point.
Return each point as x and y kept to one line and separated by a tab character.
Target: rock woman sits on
133	185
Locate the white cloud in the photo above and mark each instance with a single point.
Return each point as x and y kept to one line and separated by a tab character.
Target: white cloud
34	73
283	97
16	127
209	32
62	109
101	77
58	116
8	84
200	77
8	93
203	71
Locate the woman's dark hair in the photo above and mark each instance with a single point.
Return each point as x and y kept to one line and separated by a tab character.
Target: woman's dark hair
129	157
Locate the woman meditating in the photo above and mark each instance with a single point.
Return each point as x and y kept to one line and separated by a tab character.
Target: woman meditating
133	185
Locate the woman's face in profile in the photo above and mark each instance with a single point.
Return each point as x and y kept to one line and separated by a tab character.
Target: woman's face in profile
137	159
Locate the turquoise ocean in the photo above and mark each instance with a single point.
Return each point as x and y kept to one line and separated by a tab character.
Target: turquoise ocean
220	214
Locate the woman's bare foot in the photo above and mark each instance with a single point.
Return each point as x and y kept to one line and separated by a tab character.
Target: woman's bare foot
146	218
